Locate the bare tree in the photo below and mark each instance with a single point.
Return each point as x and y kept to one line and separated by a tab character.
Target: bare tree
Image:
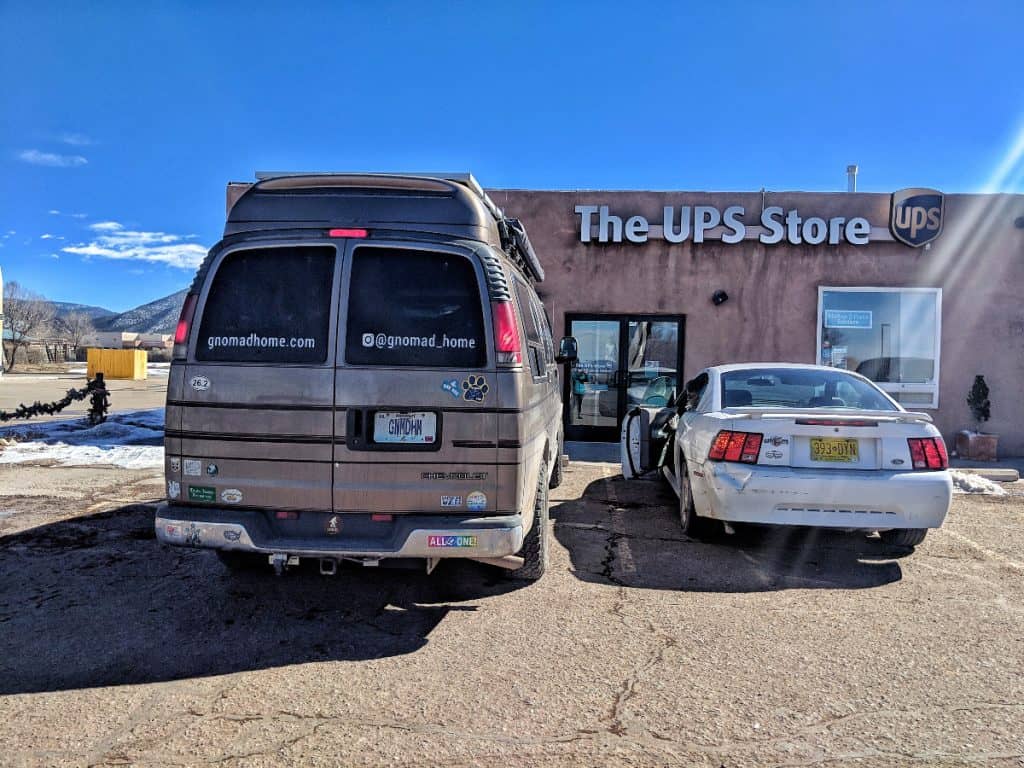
73	328
26	315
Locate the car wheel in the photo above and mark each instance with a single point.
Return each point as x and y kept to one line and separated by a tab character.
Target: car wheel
904	537
556	473
692	524
535	545
242	561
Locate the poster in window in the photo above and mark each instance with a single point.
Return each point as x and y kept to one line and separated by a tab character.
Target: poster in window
839	357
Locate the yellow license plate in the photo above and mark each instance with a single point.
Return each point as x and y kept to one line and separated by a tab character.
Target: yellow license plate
833	449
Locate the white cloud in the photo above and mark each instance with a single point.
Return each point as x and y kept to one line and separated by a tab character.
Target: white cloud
51	160
76	139
79	215
113	241
106	226
48	236
53	212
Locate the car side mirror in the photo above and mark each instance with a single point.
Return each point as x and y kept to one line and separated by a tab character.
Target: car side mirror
567	350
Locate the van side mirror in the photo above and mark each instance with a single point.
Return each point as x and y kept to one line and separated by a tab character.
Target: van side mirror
567	350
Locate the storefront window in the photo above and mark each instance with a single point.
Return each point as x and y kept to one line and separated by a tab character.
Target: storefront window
889	335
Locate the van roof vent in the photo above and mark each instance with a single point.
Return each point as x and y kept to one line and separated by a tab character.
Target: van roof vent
271	203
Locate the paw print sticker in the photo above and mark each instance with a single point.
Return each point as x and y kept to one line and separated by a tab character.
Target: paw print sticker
475	388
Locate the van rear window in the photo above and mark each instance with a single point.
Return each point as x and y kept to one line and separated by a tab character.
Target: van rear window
415	308
269	305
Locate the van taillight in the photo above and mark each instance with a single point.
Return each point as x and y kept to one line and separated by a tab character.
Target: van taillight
506	334
188	310
743	447
928	453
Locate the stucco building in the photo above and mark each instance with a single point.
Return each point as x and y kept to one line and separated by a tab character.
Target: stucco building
917	290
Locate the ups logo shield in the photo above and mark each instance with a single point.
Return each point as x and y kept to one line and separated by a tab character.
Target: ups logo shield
916	216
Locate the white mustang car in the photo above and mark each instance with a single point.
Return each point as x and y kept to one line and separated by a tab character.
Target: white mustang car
785	444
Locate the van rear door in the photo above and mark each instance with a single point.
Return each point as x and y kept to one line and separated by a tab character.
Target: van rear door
254	412
415	389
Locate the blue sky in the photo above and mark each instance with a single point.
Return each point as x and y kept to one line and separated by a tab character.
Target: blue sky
122	122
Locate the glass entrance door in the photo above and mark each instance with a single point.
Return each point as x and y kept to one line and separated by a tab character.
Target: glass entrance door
624	360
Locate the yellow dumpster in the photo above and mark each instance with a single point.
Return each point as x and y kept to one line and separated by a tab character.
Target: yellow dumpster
117	363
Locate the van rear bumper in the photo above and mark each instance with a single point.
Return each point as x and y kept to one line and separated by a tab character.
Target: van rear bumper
410	535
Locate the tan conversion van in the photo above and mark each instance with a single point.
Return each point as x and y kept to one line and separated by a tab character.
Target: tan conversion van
363	371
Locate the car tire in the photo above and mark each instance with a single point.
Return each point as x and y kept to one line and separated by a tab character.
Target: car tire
535	546
692	524
556	472
242	561
903	537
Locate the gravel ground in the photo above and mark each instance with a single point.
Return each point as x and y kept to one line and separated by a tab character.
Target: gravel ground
638	648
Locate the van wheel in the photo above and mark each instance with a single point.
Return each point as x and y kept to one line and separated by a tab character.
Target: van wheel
242	561
556	473
535	545
903	537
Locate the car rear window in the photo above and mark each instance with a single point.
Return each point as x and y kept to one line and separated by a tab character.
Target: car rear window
414	308
800	388
269	305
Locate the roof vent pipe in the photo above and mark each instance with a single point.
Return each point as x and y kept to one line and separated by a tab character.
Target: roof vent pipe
851	178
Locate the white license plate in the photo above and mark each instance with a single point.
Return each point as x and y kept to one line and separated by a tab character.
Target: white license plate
416	428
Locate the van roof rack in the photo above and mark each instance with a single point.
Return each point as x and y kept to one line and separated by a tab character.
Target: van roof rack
514	241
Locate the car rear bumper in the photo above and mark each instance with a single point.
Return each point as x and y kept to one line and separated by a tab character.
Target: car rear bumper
872	500
426	536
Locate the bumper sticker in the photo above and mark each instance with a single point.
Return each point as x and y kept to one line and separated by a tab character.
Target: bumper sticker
231	495
201	493
475	388
476	501
451	501
173	489
193	467
175	464
451	541
452	388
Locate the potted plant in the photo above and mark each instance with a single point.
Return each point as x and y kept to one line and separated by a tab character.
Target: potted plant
975	444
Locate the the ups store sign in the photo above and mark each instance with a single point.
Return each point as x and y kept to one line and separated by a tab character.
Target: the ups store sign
916	216
915	219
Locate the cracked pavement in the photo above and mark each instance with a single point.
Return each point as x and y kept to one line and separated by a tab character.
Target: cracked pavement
640	647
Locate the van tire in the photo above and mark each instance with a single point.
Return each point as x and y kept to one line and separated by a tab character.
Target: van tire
903	537
242	561
556	472
535	545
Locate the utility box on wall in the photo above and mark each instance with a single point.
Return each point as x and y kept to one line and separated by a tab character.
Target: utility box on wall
117	363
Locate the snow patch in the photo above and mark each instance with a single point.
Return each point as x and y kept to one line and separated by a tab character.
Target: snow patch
131	439
152	369
968	482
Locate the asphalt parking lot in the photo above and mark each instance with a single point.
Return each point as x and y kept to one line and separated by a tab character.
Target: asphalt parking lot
638	647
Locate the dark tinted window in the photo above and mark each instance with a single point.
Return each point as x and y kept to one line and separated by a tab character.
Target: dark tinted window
269	305
800	388
414	308
534	346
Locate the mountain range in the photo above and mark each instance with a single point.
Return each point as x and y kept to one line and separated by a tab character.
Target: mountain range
158	316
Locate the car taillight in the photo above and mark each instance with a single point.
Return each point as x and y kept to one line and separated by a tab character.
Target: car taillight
743	447
928	453
506	334
350	232
188	310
